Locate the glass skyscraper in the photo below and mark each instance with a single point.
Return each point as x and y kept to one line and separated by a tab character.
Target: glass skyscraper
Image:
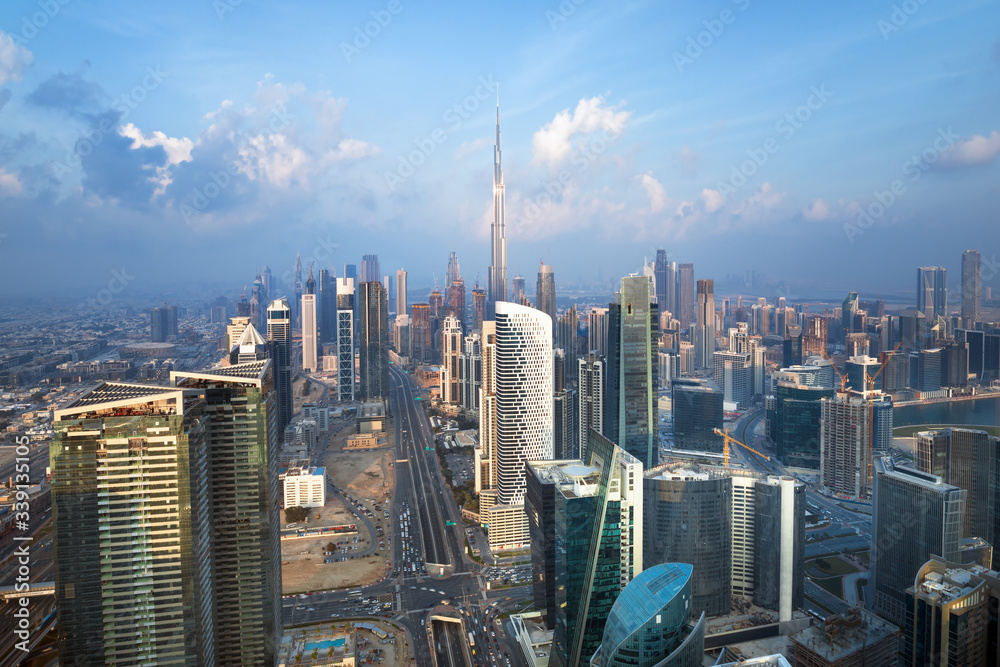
345	339
636	371
279	333
374	340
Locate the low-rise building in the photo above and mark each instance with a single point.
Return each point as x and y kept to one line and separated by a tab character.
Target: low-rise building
305	487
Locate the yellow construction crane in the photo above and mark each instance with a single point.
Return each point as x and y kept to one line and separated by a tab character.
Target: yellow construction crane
871	380
725	448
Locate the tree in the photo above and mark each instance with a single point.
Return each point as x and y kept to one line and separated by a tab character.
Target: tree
330	546
295	514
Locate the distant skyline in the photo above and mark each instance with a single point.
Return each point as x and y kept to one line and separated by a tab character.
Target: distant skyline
196	142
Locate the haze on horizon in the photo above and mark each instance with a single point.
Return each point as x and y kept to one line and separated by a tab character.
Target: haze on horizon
195	142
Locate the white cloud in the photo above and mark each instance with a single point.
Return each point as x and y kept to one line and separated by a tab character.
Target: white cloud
712	199
353	149
178	149
654	191
761	202
275	160
10	185
817	211
14	59
469	147
689	159
553	143
975	151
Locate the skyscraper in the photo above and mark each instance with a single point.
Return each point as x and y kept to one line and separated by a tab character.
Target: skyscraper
635	368
132	512
453	272
374	341
590	399
478	307
242	439
597	330
421	348
497	281
310	340
698	411
972	287
517	288
296	313
545	291
279	333
485	454
567	339
370	272
932	291
451	348
327	300
470	371
401	297
685	295
456	300
345	339
779	544
704	342
660	267
846	442
847	311
914	515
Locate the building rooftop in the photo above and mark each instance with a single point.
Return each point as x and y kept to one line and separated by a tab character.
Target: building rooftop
572	477
842	635
112	397
252	370
644	597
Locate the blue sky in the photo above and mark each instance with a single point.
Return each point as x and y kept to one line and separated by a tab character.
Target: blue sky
199	140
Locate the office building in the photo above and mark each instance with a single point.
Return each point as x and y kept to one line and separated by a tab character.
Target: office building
687	515
470	371
792	348
402	307
779	533
567	340
698	411
496	282
310	327
370	272
914	515
704	333
632	372
733	372
661	273
485	454
478	307
242	440
565	439
597	330
590	399
951	616
374	341
453	272
132	516
795	422
685	295
345	339
861	372
327	301
305	487
650	622
421	347
970	460
932	292
401	335
451	348
297	301
456	300
972	287
163	324
847	312
913	330
955	364
545	291
589	516
279	335
234	331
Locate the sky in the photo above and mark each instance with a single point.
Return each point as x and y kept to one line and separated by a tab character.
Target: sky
834	145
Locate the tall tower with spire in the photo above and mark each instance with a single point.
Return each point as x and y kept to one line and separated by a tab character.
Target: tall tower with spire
496	284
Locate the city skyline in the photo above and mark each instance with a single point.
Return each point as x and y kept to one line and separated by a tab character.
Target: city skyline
643	172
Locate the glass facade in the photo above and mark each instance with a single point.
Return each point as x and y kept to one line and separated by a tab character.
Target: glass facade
637	371
796	424
374	341
697	409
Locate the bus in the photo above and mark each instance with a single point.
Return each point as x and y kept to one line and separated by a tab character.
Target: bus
472	640
354	595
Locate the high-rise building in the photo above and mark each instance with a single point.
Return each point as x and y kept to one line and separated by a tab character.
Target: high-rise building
951	616
846	442
589	515
297	302
972	287
451	348
132	511
914	515
566	338
795	422
854	638
370	272
733	372
635	371
685	295
453	273
374	341
792	349
163	324
478	307
497	281
565	438
327	306
234	331
242	440
660	268
470	371
597	330
698	411
279	334
456	300
345	339
687	515
485	454
590	399
421	348
401	295
650	622
779	545
310	338
847	312
970	460
545	291
704	338
932	291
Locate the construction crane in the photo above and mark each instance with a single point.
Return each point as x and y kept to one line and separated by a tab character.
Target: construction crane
725	448
843	378
871	380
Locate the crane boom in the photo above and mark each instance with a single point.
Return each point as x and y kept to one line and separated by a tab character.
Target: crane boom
725	448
